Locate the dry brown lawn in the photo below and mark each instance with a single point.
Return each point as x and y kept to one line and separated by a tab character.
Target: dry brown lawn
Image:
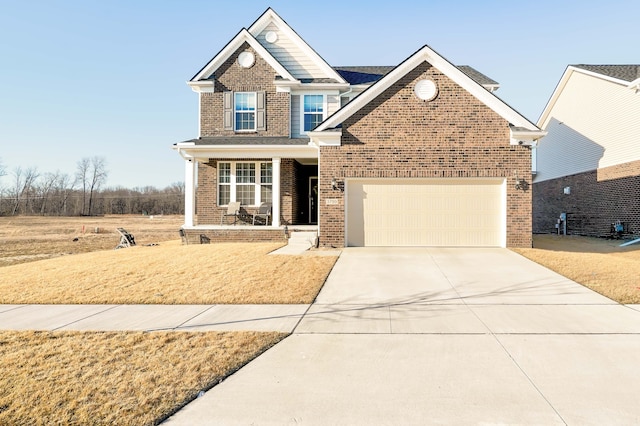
169	273
45	265
599	264
114	378
130	378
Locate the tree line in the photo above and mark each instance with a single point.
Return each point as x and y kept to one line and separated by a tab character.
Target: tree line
84	193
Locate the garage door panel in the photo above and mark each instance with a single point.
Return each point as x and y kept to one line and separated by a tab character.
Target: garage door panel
434	212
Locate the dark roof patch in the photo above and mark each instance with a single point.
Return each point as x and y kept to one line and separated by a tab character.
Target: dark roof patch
476	75
621	72
371	74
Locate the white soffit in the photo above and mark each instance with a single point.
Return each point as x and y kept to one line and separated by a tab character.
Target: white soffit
426	54
270	16
231	48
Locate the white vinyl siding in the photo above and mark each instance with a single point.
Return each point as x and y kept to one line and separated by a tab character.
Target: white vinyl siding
593	124
290	55
426	212
295	116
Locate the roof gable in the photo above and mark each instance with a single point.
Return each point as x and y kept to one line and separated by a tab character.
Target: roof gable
625	75
426	54
318	67
243	36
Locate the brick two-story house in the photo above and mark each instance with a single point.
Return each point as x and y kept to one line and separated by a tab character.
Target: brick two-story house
421	154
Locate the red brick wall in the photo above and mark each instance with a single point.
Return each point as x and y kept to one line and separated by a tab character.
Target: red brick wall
597	199
399	136
246	235
232	77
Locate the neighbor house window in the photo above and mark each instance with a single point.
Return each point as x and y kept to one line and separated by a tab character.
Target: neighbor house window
313	111
248	182
245	111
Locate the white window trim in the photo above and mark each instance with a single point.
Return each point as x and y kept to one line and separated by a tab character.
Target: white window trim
233	184
324	109
255	111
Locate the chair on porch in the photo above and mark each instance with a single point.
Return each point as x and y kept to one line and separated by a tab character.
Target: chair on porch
233	209
263	213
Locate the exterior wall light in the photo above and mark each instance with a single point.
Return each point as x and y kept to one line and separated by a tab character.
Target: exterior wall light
335	185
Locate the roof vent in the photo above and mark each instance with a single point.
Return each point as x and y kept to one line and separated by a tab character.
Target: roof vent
426	90
271	37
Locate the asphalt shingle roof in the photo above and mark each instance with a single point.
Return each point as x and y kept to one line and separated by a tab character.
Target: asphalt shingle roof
622	72
248	140
371	74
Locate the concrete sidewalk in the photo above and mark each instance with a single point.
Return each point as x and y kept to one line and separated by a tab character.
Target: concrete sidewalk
441	336
151	317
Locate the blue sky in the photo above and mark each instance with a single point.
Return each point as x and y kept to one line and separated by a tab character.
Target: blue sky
86	78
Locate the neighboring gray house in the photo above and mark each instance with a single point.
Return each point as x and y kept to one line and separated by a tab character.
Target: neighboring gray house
588	165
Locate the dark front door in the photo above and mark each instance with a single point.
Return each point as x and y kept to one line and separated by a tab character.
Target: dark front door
313	199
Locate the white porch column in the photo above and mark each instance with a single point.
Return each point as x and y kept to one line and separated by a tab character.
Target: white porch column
275	208
190	168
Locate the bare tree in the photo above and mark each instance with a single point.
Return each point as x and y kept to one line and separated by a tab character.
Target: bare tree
98	176
64	187
46	187
82	177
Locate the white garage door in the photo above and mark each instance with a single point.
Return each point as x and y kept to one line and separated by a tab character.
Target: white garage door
426	212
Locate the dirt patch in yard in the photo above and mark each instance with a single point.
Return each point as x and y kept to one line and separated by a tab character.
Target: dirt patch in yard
597	263
30	238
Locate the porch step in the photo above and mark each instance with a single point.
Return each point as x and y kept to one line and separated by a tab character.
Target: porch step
301	237
299	242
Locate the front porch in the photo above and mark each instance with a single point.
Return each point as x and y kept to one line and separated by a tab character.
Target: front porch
204	234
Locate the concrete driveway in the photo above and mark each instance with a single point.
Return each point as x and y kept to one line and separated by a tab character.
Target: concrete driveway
441	336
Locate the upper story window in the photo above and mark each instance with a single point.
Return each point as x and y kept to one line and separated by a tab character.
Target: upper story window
244	111
312	111
244	106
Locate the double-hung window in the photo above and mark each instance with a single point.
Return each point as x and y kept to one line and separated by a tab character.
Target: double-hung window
313	111
246	183
224	183
244	111
249	182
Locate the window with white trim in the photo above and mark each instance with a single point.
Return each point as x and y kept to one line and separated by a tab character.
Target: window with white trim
244	111
250	182
313	109
244	106
224	183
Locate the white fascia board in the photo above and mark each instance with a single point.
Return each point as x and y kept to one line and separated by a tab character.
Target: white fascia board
192	151
635	85
231	47
327	138
426	54
271	16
